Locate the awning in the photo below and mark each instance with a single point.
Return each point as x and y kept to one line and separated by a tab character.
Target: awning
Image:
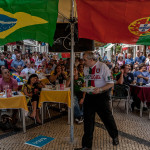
109	47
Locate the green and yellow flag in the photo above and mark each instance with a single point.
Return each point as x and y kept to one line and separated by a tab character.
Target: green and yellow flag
28	19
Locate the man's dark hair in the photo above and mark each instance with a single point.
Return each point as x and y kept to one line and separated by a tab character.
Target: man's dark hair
141	65
16	50
123	66
50	64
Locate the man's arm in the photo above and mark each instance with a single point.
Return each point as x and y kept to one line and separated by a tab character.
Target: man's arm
104	88
12	65
145	78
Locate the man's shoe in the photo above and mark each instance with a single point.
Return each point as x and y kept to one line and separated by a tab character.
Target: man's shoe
80	120
115	141
76	120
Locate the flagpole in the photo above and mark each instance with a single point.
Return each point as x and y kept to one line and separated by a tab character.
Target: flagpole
72	20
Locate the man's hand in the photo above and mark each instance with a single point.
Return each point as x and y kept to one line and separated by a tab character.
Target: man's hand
122	71
58	73
140	76
96	91
81	101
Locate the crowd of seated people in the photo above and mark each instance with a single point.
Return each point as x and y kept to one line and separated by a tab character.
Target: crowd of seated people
124	70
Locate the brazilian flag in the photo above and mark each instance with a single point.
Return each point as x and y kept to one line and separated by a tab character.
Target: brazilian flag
28	19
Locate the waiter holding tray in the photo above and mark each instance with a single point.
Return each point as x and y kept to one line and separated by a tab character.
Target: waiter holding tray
97	75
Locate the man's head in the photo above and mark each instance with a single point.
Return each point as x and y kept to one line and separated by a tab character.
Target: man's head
5	74
19	69
142	67
136	67
28	65
16	51
18	57
2	57
129	55
141	53
125	68
50	66
138	53
89	59
81	61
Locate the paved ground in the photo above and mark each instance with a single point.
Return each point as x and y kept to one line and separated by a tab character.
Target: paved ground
134	133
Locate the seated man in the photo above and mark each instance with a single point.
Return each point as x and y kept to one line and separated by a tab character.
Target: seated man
145	76
7	80
124	77
142	74
17	62
49	69
18	73
12	83
28	69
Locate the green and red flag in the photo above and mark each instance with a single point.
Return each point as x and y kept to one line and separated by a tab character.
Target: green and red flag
28	19
115	21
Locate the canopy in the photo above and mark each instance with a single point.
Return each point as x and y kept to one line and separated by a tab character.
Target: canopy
64	10
109	47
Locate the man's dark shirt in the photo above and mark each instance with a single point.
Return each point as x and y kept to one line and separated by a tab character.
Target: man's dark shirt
127	79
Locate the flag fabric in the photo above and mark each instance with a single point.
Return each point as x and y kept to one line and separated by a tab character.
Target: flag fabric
114	21
28	19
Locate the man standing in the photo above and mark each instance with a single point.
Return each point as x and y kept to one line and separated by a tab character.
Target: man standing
98	75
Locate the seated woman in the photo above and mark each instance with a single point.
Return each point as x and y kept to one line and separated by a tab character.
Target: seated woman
81	68
58	75
38	84
32	96
63	69
78	95
115	72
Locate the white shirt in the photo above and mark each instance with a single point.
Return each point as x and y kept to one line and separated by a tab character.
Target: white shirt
147	62
28	70
99	77
13	56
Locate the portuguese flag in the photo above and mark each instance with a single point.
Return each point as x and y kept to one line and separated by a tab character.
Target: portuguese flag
115	21
28	19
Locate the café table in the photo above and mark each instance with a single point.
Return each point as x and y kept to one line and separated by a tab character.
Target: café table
56	96
143	93
15	102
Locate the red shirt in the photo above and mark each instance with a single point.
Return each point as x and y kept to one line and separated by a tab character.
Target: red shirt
9	63
12	84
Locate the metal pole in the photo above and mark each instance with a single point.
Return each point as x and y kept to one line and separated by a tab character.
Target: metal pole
72	71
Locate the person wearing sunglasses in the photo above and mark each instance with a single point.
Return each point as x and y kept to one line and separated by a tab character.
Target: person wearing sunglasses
125	77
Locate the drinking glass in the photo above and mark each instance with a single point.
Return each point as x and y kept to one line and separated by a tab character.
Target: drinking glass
141	81
135	80
5	89
64	82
